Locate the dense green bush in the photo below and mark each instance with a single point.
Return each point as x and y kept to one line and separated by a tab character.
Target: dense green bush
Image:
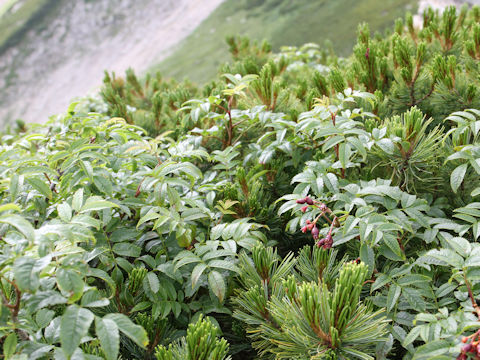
276	213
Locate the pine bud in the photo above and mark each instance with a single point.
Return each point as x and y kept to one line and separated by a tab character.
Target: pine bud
466	348
315	232
323	207
301	201
320	242
304	208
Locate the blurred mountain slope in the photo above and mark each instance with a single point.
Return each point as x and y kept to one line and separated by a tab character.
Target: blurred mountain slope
61	53
282	22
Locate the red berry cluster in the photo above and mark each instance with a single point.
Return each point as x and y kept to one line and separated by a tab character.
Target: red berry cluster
471	348
311	226
326	242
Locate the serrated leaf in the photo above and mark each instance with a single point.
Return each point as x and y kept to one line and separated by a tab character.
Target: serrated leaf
70	283
197	272
20	224
224	264
8	207
77	201
217	284
107	333
73	327
97	205
457	175
27	272
135	332
432	349
41	187
392	297
64	212
152	280
10	345
127	249
414	298
412	336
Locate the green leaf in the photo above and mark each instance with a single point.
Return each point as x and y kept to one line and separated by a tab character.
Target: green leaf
103	184
127	249
15	184
41	187
73	327
152	281
431	349
343	155
412	336
135	332
107	332
475	192
11	206
368	257
97	205
217	284
443	257
392	297
70	283
380	282
223	264
64	212
27	272
184	258
414	298
20	224
393	245
151	215
44	317
197	272
457	175
10	345
77	201
386	145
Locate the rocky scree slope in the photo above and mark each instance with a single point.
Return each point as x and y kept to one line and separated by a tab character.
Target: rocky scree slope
65	54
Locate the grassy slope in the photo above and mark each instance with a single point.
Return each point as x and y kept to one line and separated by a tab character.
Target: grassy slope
282	22
14	26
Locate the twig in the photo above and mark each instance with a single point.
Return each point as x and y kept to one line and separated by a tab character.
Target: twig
472	298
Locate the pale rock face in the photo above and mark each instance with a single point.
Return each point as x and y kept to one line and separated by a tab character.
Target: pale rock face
66	58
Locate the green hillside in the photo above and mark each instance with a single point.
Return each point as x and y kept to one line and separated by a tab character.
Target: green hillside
14	24
281	22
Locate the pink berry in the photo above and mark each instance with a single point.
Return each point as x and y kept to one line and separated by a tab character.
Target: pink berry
320	242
